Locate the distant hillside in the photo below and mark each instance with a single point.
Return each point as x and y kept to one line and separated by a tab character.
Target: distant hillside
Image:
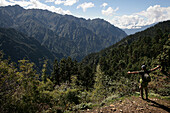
63	34
150	47
134	50
18	46
100	83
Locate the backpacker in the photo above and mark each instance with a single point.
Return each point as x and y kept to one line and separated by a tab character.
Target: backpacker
147	77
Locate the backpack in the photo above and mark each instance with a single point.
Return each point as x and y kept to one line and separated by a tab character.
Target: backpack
147	77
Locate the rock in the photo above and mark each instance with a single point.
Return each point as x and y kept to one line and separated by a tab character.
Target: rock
101	111
139	109
113	109
111	105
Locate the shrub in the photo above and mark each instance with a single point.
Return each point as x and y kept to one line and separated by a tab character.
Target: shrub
165	91
82	106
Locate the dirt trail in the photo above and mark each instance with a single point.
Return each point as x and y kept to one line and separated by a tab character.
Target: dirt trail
135	105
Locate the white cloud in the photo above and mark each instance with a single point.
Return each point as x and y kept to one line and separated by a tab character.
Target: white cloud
4	3
34	4
104	5
49	0
66	2
128	21
59	2
156	13
149	16
109	11
85	5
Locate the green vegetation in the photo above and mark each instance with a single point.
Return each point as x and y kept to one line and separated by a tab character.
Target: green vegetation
63	35
150	47
98	79
18	46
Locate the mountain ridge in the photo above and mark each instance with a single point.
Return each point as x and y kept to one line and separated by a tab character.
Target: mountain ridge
152	31
47	26
100	83
18	46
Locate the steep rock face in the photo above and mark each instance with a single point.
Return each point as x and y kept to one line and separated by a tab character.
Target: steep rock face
18	46
55	31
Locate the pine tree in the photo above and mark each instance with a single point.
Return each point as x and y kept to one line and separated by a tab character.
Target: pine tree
100	88
86	78
62	70
69	67
55	76
44	71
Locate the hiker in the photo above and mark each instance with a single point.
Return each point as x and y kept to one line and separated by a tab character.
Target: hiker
145	78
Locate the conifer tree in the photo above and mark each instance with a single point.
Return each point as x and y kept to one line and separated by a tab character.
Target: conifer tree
69	68
55	76
86	78
62	70
44	71
100	84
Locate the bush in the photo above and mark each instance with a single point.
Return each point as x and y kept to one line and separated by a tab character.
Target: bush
82	106
67	98
164	91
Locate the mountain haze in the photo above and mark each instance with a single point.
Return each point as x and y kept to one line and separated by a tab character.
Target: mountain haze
133	31
63	35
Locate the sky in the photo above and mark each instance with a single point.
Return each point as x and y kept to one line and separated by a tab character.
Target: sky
125	14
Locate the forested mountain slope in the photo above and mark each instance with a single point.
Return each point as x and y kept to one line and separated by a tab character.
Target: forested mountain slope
150	47
148	43
101	78
18	46
64	35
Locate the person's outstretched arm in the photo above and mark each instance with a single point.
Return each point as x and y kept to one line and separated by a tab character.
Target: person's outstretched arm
153	69
133	72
